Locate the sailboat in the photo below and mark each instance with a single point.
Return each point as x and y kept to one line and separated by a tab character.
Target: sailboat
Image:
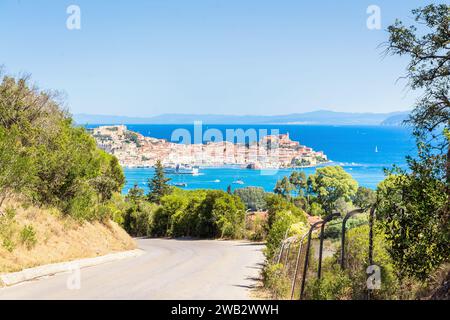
180	184
376	149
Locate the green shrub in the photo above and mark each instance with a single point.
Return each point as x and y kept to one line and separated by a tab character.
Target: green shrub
200	213
84	203
45	157
316	209
284	220
117	207
365	198
334	228
160	226
330	184
140	219
9	244
229	213
256	228
8	229
28	237
276	203
335	284
252	197
357	261
144	219
413	212
180	221
276	281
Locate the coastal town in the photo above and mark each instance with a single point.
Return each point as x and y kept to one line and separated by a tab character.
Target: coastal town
271	151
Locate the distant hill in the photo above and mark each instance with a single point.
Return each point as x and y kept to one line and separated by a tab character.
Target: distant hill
396	120
323	117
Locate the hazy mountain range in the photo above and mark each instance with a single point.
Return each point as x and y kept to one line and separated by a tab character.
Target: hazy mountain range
321	117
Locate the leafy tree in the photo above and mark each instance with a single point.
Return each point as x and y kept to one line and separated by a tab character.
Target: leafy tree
179	220
158	185
330	184
282	221
206	226
299	181
114	172
342	206
104	186
276	203
427	45
284	187
17	167
365	198
411	213
199	213
48	159
229	213
415	204
135	194
139	214
316	209
252	197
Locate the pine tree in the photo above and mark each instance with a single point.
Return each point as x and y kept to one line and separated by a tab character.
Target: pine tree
158	185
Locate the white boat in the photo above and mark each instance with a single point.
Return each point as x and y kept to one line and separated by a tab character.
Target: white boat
180	184
376	149
217	181
182	169
238	182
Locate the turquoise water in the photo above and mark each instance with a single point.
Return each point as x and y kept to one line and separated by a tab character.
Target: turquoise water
366	176
353	147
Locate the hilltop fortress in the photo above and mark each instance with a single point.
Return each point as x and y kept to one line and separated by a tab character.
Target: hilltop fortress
271	151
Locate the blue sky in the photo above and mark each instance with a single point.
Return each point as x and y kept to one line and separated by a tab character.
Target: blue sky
142	58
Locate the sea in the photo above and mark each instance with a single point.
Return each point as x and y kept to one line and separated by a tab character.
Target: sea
363	151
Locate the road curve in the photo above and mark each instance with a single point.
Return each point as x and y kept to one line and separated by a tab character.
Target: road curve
169	269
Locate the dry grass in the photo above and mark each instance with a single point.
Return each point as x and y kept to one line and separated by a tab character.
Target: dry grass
59	239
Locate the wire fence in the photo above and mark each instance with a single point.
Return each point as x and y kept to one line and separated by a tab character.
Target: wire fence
301	256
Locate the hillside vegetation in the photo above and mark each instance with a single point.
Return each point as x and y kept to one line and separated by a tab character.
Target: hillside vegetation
408	255
48	160
62	183
33	236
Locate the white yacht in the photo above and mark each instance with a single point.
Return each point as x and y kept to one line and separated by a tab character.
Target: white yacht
182	169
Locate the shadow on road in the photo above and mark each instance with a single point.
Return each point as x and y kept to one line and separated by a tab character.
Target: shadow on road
251	244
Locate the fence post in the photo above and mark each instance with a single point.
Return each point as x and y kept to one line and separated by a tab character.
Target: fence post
282	244
286	259
344	230
371	218
305	268
322	230
297	264
371	221
319	269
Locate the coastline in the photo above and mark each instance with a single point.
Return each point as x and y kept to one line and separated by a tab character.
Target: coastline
350	147
243	167
268	151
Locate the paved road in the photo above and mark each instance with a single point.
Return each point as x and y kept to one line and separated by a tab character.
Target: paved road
169	269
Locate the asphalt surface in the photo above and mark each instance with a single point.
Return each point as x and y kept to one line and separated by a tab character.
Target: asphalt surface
169	269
